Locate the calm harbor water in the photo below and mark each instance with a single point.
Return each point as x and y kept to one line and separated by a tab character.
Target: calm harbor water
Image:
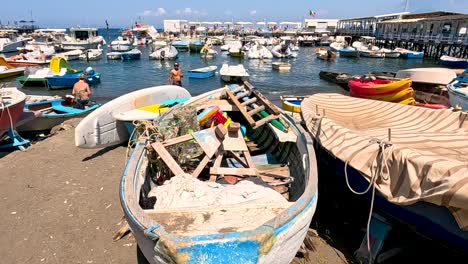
120	77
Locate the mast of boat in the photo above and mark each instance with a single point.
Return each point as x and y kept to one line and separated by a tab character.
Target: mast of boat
406	5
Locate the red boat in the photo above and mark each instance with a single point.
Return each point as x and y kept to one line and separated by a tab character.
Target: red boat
11	108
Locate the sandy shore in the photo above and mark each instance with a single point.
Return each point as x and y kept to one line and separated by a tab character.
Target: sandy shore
60	204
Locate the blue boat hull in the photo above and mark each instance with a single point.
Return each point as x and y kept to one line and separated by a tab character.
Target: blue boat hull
455	64
429	220
349	53
131	56
201	75
409	55
68	80
58	113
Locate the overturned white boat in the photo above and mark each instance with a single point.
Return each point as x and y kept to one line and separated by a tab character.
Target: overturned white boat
258	51
168	52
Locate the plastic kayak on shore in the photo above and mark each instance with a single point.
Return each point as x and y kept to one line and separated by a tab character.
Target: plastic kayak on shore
377	86
391	97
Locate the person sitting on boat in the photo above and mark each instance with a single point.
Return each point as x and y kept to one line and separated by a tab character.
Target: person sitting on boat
175	76
81	91
42	55
20	56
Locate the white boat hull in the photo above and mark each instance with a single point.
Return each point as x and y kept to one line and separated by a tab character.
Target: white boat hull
11	46
102	129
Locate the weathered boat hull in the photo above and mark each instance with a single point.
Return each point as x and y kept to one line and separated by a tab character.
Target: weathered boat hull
457	98
11	113
12	72
275	241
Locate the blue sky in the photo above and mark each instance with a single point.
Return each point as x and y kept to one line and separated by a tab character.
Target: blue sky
120	13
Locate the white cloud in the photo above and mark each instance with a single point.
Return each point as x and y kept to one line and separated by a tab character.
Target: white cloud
158	12
187	11
253	12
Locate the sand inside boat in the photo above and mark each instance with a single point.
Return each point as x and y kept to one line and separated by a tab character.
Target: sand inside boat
190	206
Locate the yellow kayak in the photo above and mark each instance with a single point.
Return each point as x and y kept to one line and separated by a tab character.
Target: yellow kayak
394	97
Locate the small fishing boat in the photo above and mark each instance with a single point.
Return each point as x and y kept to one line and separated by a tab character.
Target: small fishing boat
340	78
7	70
292	103
458	91
181	45
11	108
70	55
68	79
441	76
363	52
233	73
134	54
202	73
281	66
92	54
413	162
114	55
267	210
409	54
348	52
165	53
453	62
121	44
51	111
236	52
325	54
196	45
107	125
390	53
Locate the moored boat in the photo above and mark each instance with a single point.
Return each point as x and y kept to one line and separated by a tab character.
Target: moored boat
114	55
382	89
412	162
325	54
454	62
134	54
255	228
102	127
458	91
348	52
233	73
7	70
92	54
168	52
181	45
51	111
340	78
281	66
202	73
390	53
11	108
292	103
121	44
409	54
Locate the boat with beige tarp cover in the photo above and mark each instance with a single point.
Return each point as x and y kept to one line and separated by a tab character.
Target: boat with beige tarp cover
414	157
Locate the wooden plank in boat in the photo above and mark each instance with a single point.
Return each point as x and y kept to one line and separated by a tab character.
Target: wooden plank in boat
282	136
208	139
261	122
167	158
234	143
234	171
201	166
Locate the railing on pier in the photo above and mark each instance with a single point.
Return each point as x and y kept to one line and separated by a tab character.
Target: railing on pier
461	39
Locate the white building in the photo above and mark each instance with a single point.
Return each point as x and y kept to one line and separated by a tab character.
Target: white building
320	25
176	26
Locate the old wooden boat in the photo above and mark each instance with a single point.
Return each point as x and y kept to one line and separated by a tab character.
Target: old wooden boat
51	111
262	218
7	70
11	108
106	126
422	180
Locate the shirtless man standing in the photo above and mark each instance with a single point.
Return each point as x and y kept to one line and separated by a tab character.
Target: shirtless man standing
175	76
81	91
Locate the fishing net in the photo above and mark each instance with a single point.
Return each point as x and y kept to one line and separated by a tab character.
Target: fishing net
177	122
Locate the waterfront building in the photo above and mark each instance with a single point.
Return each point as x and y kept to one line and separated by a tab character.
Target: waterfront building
320	26
176	26
364	26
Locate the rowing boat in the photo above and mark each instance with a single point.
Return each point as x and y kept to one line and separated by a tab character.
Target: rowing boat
252	204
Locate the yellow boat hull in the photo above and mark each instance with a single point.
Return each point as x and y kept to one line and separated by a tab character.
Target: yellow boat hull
394	97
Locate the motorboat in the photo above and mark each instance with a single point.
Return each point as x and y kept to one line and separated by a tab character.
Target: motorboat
325	54
388	53
134	54
122	44
409	54
454	62
258	51
82	39
71	54
92	54
228	44
10	41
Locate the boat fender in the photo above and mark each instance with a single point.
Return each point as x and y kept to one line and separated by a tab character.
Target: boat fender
149	232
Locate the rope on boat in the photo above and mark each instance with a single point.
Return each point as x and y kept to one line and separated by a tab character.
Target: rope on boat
381	161
149	231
